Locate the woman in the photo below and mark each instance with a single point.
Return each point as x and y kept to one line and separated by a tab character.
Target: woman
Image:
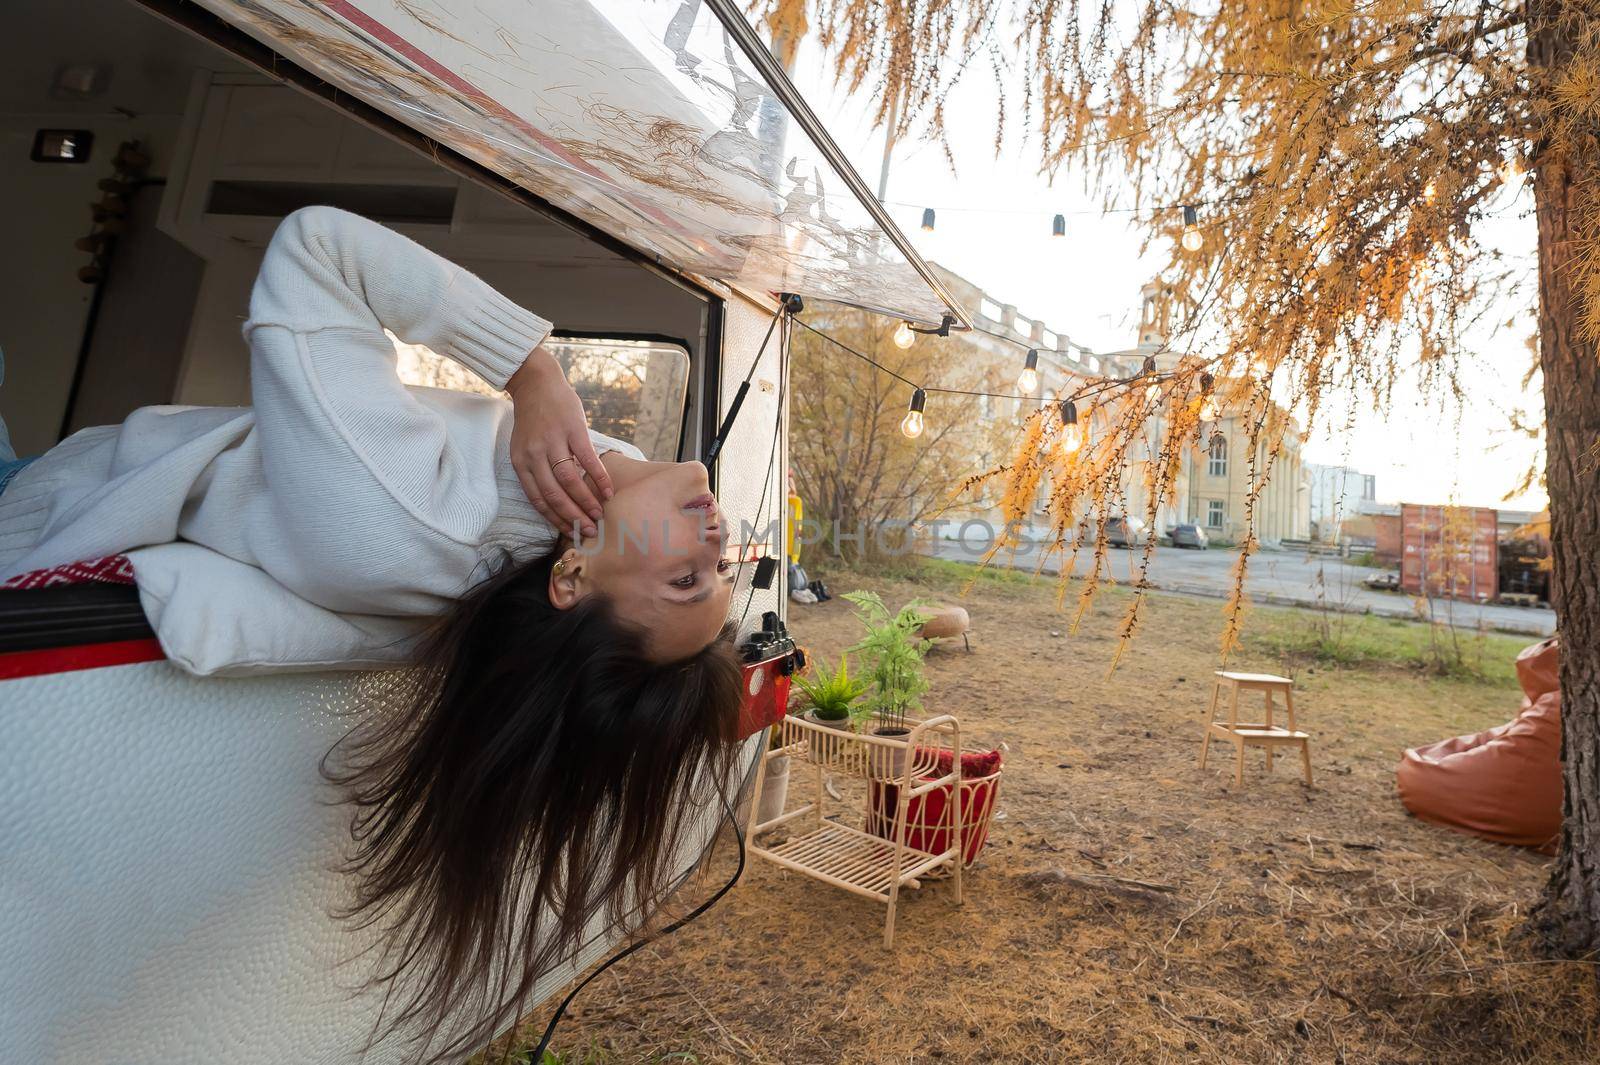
573	693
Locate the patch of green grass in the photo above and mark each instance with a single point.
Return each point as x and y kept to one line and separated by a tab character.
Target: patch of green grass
947	571
1366	641
950	577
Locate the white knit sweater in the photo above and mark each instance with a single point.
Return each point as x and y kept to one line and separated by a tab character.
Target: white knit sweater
315	527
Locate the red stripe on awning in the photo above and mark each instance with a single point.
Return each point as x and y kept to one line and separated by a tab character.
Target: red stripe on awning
80	656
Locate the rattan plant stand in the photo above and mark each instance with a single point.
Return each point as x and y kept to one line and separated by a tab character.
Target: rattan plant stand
850	858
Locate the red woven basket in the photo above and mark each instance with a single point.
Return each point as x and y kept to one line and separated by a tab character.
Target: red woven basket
926	827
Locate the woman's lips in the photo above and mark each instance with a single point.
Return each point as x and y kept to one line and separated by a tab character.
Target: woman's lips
703	501
706	502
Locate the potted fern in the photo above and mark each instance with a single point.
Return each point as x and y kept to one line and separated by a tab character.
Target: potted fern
891	652
832	695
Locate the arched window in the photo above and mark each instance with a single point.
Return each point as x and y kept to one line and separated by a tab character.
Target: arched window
1218	464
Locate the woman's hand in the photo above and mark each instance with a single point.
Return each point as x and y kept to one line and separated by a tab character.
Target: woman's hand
550	448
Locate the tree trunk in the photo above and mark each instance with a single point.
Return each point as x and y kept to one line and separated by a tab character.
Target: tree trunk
1564	185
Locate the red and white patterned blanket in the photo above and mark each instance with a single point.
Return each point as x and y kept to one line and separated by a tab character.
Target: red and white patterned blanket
113	569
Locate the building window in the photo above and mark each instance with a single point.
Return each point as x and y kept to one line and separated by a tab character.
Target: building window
1214	514
1217	466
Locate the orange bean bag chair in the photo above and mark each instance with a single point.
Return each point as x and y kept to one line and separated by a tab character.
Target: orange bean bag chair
1503	784
944	623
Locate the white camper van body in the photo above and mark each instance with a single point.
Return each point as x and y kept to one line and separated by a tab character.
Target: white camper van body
169	853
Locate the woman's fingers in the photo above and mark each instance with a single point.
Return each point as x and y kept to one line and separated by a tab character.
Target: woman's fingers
583	448
532	491
554	492
568	468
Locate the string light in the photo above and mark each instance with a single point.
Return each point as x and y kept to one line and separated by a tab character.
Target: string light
915	420
1430	191
904	336
1028	379
1058	226
911	424
1071	432
1152	391
927	219
1192	237
1209	411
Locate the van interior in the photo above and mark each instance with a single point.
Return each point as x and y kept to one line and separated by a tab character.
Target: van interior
144	171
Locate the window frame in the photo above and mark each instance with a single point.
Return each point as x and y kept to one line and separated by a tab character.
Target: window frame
1216	514
1217	465
684	442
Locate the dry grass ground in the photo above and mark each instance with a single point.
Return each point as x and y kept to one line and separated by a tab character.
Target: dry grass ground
1130	906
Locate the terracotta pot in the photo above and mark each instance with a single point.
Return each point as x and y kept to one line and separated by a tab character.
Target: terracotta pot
818	746
889	763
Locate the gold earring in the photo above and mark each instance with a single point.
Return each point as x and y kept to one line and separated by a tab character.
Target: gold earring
560	567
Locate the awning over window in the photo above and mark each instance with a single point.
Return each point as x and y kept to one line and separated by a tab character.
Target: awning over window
642	117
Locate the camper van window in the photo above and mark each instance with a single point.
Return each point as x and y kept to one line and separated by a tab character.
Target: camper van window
633	390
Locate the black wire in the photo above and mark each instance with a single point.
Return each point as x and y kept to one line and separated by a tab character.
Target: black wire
1081	212
728	815
766	483
1095	388
727	809
1025	346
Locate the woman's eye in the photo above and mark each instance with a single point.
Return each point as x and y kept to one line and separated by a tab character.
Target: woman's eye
723	565
686	581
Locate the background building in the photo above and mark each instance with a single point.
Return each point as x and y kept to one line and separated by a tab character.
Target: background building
1211	486
1337	493
1214	482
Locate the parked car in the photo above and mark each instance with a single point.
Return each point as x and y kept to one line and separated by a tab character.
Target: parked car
1189	536
1125	532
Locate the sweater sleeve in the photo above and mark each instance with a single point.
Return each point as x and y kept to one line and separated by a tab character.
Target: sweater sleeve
328	269
354	461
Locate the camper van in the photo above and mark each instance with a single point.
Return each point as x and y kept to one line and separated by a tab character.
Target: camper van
642	174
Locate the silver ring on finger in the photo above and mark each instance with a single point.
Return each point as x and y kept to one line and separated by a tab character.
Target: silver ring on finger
569	458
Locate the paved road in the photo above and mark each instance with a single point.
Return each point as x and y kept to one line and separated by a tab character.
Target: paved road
1284	578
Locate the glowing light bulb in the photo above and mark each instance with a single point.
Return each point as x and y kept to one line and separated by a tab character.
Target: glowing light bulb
1430	191
903	336
911	425
1152	393
1192	238
1028	379
1071	439
1209	411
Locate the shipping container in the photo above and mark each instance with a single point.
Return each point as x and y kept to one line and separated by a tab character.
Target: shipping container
1449	552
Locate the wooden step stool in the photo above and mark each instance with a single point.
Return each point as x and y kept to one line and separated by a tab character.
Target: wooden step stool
1266	734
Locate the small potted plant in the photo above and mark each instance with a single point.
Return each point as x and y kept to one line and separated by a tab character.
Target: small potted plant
892	652
832	695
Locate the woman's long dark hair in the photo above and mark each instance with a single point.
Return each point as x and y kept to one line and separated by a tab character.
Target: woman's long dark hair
535	772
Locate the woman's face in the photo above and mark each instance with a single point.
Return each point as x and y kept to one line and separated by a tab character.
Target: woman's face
658	554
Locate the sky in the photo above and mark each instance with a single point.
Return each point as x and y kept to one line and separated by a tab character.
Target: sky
993	227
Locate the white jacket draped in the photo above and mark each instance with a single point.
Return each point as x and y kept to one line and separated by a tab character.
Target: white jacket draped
319	526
